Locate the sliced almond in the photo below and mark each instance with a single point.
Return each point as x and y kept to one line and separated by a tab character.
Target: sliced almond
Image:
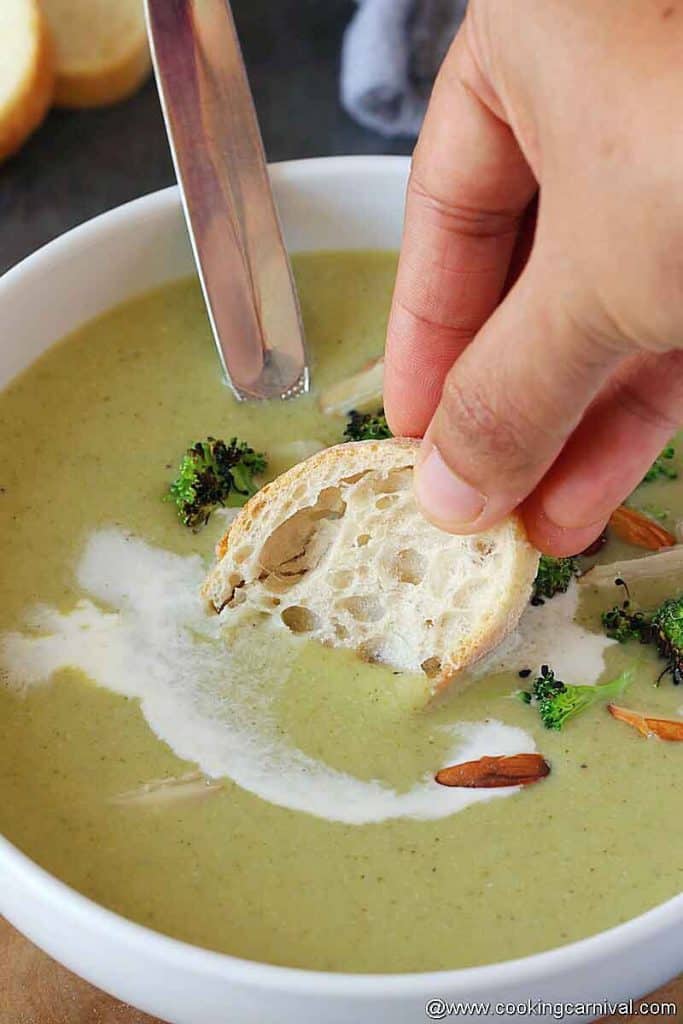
292	452
495	772
663	565
635	528
665	728
159	792
362	391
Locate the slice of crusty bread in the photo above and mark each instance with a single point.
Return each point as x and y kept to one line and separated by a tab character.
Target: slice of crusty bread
101	50
26	72
338	549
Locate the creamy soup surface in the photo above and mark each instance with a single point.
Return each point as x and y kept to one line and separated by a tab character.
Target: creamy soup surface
275	800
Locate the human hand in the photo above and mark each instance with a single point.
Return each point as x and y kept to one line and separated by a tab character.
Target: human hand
547	372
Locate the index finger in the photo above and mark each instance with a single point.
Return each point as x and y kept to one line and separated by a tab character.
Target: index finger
469	187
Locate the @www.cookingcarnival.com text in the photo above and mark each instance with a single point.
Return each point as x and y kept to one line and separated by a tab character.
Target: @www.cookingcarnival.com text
442	1009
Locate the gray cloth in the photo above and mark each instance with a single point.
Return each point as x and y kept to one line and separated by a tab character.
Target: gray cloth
391	53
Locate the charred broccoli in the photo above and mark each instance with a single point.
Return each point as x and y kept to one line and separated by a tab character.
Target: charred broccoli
663	628
667	630
214	473
557	701
623	625
553	577
366	426
662	467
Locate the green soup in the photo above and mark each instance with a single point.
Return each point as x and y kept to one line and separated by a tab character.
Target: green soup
89	438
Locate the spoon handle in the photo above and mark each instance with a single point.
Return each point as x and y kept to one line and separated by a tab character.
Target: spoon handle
236	237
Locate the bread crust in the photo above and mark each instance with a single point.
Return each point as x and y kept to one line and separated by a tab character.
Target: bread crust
83	88
298	488
25	109
93	67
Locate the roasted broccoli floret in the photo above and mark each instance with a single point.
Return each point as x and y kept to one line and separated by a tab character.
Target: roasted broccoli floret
214	473
663	628
366	426
553	577
667	633
623	625
557	701
662	467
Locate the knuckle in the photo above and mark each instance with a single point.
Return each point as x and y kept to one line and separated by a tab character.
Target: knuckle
420	311
493	436
648	303
640	294
475	219
636	394
665	293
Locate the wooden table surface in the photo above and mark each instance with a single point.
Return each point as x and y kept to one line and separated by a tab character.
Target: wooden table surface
36	990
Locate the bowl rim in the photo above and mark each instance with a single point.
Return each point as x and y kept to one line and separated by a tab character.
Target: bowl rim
175	953
167	200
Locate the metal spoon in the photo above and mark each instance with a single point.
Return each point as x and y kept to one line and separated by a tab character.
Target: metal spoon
229	207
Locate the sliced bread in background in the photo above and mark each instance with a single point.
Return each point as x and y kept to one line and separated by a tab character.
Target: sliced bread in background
26	72
337	549
101	50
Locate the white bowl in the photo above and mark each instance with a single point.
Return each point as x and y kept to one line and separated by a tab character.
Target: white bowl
339	203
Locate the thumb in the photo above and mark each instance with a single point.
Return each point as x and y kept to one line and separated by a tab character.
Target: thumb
508	405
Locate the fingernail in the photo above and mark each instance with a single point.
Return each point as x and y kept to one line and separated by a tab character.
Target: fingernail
444	496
